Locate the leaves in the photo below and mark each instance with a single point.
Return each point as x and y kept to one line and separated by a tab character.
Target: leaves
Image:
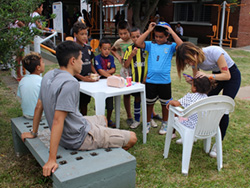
12	39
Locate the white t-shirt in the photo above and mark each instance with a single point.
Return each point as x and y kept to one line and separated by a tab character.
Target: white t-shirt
31	25
28	90
212	54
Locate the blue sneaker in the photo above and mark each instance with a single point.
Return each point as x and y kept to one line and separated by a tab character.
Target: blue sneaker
163	129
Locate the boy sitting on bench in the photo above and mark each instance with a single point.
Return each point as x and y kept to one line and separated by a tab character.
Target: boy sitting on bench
59	97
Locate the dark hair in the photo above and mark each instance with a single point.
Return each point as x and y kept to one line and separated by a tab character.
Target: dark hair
202	84
123	25
31	61
78	26
161	30
104	41
67	50
134	29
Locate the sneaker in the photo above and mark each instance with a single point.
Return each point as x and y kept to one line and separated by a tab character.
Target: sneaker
157	117
135	124
148	128
213	152
163	129
179	141
173	136
153	123
129	121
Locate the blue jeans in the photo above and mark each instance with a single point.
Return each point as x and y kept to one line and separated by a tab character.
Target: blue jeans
230	88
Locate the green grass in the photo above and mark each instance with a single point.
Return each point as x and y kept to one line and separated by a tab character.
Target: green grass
152	170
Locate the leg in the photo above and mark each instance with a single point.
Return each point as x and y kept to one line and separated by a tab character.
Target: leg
126	101
149	111
164	113
131	142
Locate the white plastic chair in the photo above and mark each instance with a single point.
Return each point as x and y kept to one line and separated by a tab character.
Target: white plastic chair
210	111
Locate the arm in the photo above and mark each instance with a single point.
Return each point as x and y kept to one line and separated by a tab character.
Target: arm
56	133
174	35
115	53
173	103
140	41
130	57
85	78
93	69
36	120
106	73
225	73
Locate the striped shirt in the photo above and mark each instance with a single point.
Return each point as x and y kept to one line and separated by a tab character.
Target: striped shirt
139	63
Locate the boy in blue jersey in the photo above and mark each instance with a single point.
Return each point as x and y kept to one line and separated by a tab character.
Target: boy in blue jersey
158	81
105	66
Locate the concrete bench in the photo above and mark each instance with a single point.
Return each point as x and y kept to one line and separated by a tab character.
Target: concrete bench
109	168
194	40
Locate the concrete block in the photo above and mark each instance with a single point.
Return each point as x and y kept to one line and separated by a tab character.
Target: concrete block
104	168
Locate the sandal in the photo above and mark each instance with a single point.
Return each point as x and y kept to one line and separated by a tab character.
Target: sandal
111	124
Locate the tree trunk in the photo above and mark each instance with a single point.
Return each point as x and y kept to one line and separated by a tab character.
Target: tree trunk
140	22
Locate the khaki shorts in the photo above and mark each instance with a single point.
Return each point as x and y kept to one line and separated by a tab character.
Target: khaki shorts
101	136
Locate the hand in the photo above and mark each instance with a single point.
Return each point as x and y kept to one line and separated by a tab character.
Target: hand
134	52
120	60
49	167
151	26
169	29
26	135
188	79
200	74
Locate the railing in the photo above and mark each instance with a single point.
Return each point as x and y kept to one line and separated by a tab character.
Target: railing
38	42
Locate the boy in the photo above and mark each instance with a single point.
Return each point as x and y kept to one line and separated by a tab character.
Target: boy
121	46
59	98
105	65
158	81
81	35
137	60
29	86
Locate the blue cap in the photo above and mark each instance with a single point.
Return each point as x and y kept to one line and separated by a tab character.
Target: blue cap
162	24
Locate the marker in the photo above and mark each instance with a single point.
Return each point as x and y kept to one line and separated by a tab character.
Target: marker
187	75
168	101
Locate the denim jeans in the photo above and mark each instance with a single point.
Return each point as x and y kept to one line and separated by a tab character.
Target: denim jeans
230	88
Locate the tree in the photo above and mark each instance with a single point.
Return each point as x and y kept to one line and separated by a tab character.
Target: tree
11	39
143	9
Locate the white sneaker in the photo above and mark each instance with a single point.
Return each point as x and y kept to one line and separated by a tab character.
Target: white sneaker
213	152
148	127
163	129
153	123
179	141
135	124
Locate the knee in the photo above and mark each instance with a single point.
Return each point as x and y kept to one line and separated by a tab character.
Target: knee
133	137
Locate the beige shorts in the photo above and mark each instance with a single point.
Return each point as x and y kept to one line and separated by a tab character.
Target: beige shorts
101	136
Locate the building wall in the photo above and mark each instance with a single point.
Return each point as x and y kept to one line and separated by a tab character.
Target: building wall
239	18
244	25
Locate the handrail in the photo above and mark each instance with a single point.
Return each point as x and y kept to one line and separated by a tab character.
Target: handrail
38	40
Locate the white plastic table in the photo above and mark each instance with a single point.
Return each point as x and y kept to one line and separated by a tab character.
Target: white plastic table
100	91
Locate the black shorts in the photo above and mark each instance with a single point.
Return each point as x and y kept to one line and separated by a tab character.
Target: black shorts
158	91
84	99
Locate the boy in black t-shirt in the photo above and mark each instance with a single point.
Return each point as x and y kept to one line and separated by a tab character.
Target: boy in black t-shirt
81	34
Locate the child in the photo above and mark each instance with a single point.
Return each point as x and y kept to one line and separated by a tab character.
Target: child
29	86
199	90
104	64
81	34
121	46
137	60
158	81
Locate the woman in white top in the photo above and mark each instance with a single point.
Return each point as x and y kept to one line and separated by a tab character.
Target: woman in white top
224	72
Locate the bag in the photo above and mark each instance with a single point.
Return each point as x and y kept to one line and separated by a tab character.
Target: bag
116	81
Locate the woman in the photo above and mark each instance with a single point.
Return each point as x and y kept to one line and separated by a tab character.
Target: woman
224	72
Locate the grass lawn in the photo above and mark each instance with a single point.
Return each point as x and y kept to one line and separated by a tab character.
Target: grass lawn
152	170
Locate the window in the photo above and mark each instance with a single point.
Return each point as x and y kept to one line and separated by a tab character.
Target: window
191	11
